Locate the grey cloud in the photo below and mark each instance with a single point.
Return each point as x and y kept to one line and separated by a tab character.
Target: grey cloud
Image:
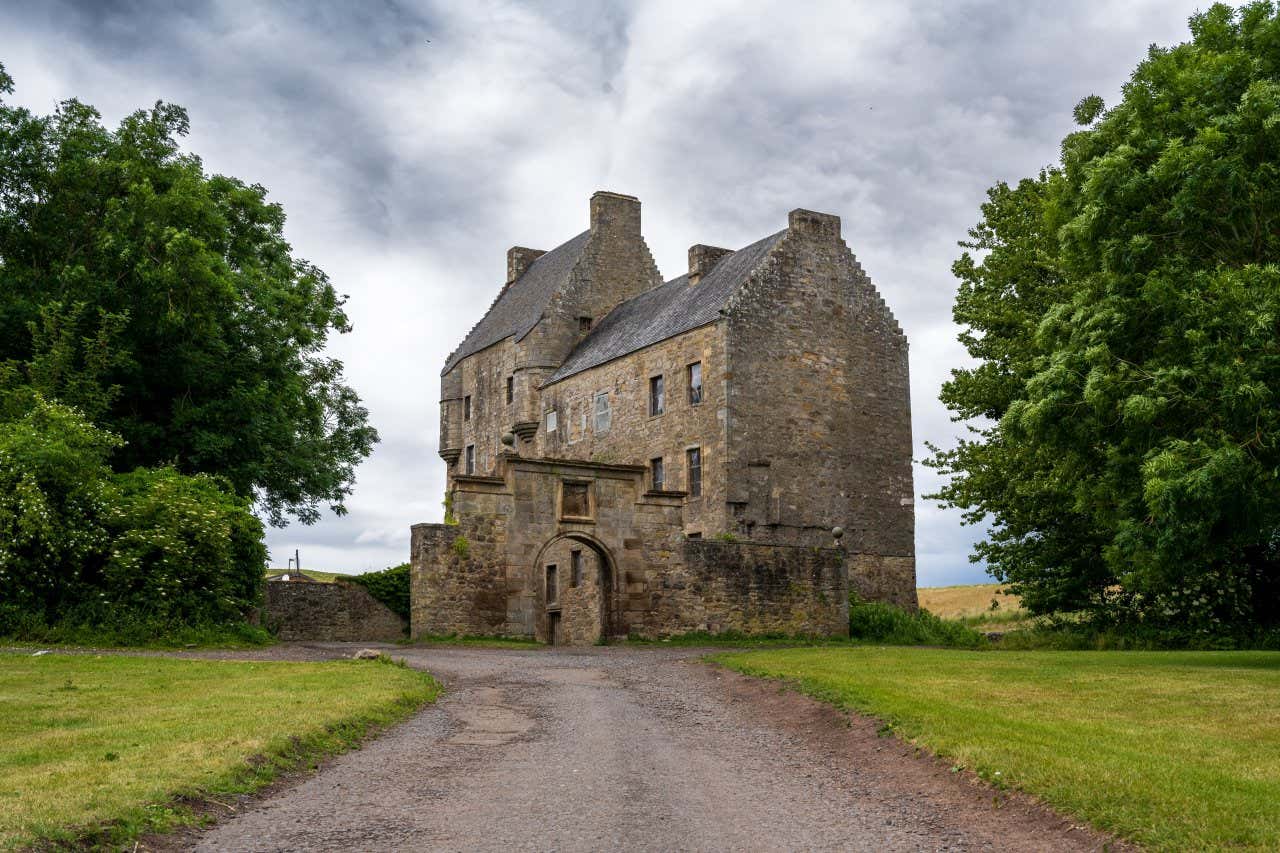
408	168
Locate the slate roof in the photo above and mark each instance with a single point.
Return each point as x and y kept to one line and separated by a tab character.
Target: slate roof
666	310
519	307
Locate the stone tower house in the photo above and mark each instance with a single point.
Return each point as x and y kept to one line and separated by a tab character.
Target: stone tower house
628	456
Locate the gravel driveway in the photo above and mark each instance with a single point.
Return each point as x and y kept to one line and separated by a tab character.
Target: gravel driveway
630	749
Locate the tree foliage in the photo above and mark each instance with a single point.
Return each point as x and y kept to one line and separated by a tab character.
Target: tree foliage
390	586
166	305
79	543
1124	311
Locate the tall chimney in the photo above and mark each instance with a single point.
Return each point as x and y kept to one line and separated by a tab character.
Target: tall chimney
518	260
615	215
812	222
702	259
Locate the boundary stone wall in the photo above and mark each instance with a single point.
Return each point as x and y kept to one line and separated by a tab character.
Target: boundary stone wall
337	612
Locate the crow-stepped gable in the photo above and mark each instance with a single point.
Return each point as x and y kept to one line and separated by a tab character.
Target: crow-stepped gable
727	450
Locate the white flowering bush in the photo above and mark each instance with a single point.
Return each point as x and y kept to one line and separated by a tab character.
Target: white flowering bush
80	544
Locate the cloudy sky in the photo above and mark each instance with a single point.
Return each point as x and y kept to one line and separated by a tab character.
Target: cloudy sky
412	143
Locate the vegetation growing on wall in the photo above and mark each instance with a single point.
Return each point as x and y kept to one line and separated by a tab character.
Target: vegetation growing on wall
390	586
1122	308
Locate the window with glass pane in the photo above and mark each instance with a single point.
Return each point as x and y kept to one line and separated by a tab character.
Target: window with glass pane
657	397
695	383
551	422
655	465
693	456
471	459
604	414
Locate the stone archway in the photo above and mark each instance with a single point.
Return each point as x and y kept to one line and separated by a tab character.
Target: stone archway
576	581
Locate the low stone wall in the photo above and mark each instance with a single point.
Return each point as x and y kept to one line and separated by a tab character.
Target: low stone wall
875	577
328	611
753	588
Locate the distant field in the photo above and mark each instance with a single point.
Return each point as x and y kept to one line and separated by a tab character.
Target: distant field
958	602
323	577
92	739
1175	750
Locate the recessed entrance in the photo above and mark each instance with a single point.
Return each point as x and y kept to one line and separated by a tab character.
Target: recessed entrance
577	592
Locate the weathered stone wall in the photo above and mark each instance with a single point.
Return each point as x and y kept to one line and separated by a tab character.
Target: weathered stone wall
876	577
819	412
487	574
634	437
337	612
753	588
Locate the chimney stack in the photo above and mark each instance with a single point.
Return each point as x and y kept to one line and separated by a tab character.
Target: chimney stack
812	222
518	260
615	215
702	259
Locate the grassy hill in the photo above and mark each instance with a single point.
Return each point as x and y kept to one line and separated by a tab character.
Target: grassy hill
323	577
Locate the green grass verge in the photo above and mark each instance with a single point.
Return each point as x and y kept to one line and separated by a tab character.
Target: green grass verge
137	634
96	750
1175	750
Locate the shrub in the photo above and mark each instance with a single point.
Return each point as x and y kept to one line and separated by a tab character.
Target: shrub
141	555
390	586
875	621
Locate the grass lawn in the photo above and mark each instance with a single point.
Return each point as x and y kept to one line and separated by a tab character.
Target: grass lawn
1175	750
94	740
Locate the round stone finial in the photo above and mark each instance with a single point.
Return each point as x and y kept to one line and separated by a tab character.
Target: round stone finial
837	532
509	439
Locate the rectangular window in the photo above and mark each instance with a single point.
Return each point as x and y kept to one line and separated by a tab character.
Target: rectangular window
693	459
655	466
466	408
604	414
471	459
551	422
511	389
695	383
657	397
576	500
584	324
575	575
553	594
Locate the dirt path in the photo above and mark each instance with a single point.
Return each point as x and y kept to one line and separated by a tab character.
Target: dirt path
631	749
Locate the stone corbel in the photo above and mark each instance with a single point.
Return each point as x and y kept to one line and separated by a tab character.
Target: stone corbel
525	430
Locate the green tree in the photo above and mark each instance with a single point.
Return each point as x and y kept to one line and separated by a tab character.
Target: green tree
166	305
1124	309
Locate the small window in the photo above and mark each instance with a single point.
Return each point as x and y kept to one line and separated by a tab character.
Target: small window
657	397
471	459
696	535
511	389
466	408
576	500
553	594
575	574
655	466
584	324
551	421
693	458
695	383
603	412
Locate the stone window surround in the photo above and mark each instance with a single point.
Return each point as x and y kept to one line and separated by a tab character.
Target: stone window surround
657	474
466	408
469	460
606	413
689	451
696	392
657	395
590	517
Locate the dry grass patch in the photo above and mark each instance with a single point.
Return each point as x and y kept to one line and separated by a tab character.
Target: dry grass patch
105	743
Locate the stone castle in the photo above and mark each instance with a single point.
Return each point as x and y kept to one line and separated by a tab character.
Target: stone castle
728	450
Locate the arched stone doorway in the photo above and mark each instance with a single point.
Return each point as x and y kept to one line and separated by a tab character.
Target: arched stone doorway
576	580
